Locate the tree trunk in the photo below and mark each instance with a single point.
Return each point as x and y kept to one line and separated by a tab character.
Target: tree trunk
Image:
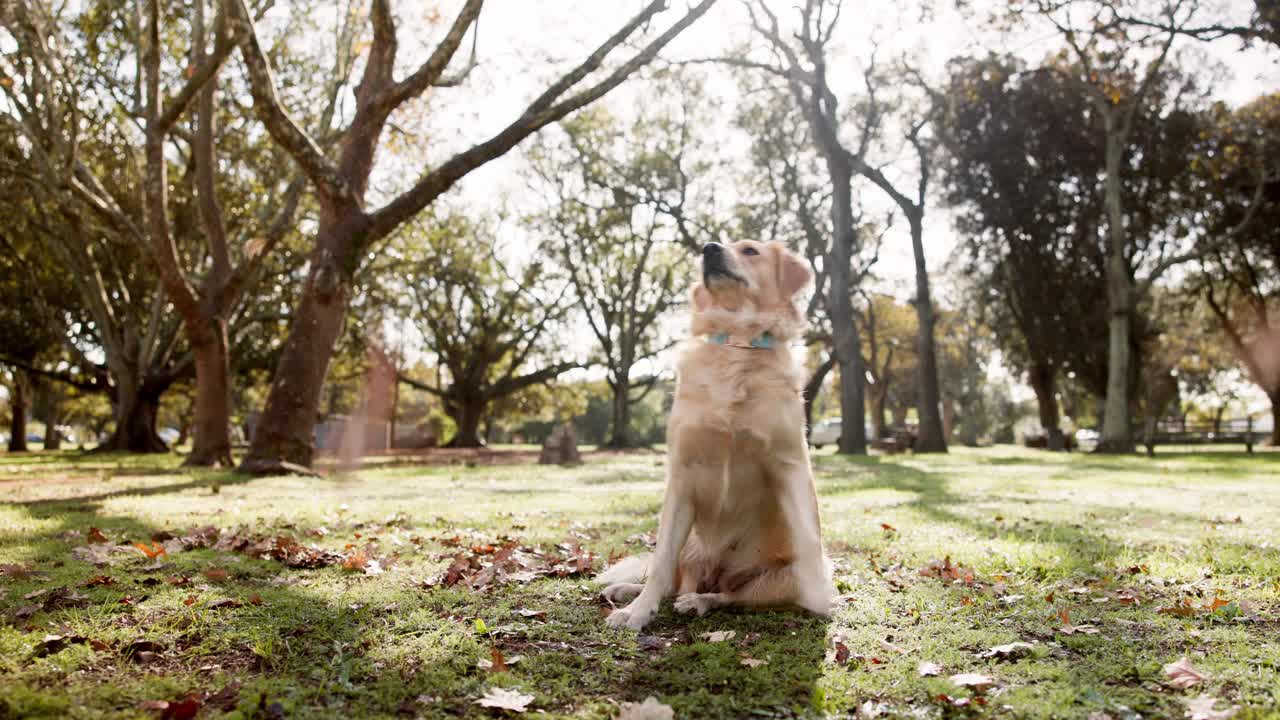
18	414
880	419
930	436
811	388
620	422
1274	397
844	331
1043	382
53	418
282	441
212	422
467	414
135	416
1117	435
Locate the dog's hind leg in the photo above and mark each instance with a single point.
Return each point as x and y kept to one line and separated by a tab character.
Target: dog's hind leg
798	501
622	592
769	588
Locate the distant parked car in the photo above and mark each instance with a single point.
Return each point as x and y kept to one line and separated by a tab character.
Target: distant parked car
825	432
1087	439
34	438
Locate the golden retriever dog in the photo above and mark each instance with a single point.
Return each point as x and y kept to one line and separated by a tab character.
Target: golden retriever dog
739	522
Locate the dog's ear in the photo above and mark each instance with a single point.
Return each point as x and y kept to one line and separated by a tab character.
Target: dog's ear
794	274
700	297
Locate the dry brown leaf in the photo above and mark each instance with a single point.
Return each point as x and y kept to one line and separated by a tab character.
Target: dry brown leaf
505	699
1011	651
1202	708
1182	674
974	681
650	709
216	574
96	537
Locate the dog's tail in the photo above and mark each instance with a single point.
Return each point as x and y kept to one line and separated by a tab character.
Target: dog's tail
631	569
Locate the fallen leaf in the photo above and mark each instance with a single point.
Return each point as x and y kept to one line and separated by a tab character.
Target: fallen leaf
526	612
255	599
18	572
224	603
184	709
225	699
840	652
888	528
719	635
885	644
96	537
505	699
1182	674
752	662
190	600
944	570
216	575
53	644
974	681
1012	651
1217	603
928	669
152	551
650	709
142	651
100	581
497	663
1202	708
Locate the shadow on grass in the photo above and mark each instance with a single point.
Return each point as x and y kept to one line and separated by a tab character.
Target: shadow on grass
331	643
1083	548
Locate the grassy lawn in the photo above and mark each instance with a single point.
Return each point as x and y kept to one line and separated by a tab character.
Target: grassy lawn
1108	568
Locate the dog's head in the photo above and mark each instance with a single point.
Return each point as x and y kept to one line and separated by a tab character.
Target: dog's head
749	286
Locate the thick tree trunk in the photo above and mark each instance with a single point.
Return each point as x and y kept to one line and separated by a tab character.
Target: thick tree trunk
18	414
212	422
1117	435
930	436
620	422
135	416
811	388
1043	382
283	439
53	438
467	414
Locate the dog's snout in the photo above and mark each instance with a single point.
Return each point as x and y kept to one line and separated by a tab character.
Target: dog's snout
712	248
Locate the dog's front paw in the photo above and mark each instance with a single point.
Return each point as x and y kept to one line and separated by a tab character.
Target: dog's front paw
691	602
631	617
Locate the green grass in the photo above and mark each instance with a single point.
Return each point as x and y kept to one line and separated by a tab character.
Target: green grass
332	642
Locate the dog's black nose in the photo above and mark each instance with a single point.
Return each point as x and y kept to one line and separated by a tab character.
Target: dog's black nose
712	248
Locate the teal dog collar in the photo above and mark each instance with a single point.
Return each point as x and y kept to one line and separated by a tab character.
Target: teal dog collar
764	341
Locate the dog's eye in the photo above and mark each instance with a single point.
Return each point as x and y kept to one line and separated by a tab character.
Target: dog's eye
750	251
